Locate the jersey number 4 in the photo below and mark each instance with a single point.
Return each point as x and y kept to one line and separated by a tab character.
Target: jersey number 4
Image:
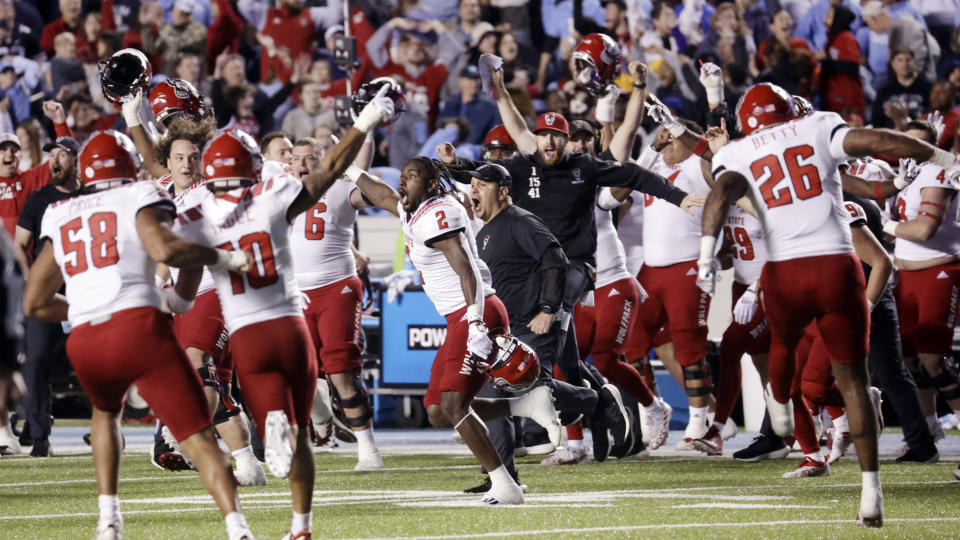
769	172
264	269
103	242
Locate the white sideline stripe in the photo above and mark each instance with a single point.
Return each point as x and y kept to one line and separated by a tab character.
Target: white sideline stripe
499	534
737	506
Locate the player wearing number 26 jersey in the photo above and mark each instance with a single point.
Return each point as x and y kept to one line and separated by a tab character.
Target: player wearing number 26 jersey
788	165
105	244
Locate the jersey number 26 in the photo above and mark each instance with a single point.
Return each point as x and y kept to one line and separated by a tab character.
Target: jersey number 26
768	171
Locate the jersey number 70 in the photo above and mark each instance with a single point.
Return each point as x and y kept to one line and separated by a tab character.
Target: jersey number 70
263	271
768	171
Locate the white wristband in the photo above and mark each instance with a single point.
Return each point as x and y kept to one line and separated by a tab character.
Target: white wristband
714	95
475	313
131	115
352	173
229	260
890	227
176	303
943	158
676	129
707	245
159	281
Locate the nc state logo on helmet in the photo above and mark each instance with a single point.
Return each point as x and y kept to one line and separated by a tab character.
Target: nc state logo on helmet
367	92
596	62
123	74
176	97
513	366
764	105
231	159
108	159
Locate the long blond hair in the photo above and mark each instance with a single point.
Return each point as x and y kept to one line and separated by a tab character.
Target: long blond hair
32	126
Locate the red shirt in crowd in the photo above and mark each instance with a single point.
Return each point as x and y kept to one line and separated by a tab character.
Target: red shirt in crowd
14	191
295	32
840	90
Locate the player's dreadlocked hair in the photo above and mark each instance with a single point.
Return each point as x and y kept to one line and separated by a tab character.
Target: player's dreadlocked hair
434	168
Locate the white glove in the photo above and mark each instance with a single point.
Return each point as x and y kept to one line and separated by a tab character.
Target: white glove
707	275
661	114
479	343
352	173
746	307
607	105
233	261
379	110
397	283
936	119
909	169
711	77
487	64
131	108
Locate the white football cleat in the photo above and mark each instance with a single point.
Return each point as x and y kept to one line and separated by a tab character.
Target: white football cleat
729	430
9	443
781	414
109	529
540	402
949	421
172	443
278	444
510	493
871	508
249	471
695	430
369	461
809	467
567	456
241	535
841	442
877	399
655	425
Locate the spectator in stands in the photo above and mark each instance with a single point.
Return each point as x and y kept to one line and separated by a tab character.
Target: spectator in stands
16	38
810	26
468	16
31	136
665	36
300	122
906	94
68	22
757	18
229	71
251	110
89	38
943	99
950	59
730	38
66	72
480	112
87	118
224	33
840	87
168	40
190	68
886	32
798	52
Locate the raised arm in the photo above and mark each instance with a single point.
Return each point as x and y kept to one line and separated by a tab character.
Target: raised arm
143	142
512	119
860	142
623	137
376	191
630	175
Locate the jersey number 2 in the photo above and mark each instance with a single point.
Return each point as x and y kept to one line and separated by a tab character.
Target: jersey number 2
103	242
805	178
314	223
264	268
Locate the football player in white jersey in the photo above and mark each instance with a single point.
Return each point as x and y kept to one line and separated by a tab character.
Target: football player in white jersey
927	255
326	269
812	274
105	244
440	243
269	340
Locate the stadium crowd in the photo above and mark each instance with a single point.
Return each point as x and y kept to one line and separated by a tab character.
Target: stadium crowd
474	112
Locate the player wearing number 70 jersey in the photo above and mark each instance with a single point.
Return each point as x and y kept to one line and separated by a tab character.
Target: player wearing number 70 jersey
788	165
105	244
275	359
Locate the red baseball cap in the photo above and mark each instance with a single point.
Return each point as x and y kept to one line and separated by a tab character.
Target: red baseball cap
554	121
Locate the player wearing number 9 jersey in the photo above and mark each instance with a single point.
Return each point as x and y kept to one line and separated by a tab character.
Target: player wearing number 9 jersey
105	244
269	340
812	274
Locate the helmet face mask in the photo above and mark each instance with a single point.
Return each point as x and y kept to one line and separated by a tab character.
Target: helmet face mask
596	63
177	98
498	139
512	366
124	74
365	93
230	160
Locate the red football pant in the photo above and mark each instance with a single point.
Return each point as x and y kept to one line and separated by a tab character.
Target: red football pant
277	369
813	387
333	316
137	346
674	297
602	330
828	289
927	303
752	338
203	328
452	369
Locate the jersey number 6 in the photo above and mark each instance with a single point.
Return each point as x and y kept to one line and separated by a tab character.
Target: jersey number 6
263	272
805	178
313	229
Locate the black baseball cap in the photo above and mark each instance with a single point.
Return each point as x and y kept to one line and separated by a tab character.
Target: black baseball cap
470	71
67	143
578	126
491	172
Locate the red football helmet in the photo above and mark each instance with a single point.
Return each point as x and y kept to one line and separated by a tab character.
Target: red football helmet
763	105
177	97
514	366
499	138
231	159
596	62
109	157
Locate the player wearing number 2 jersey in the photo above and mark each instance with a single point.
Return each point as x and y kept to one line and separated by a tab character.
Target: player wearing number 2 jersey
275	359
105	244
326	270
812	274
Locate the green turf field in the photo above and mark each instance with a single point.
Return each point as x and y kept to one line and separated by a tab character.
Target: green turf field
419	496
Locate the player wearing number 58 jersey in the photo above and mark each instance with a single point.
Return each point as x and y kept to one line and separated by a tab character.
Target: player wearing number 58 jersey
105	244
269	340
788	165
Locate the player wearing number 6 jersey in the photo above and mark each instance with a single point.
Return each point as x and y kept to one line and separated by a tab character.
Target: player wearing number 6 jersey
275	359
105	244
789	167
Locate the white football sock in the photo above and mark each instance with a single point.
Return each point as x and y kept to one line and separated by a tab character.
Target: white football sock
718	425
109	506
841	423
500	477
237	454
815	456
698	413
301	522
365	443
575	444
871	479
236	523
